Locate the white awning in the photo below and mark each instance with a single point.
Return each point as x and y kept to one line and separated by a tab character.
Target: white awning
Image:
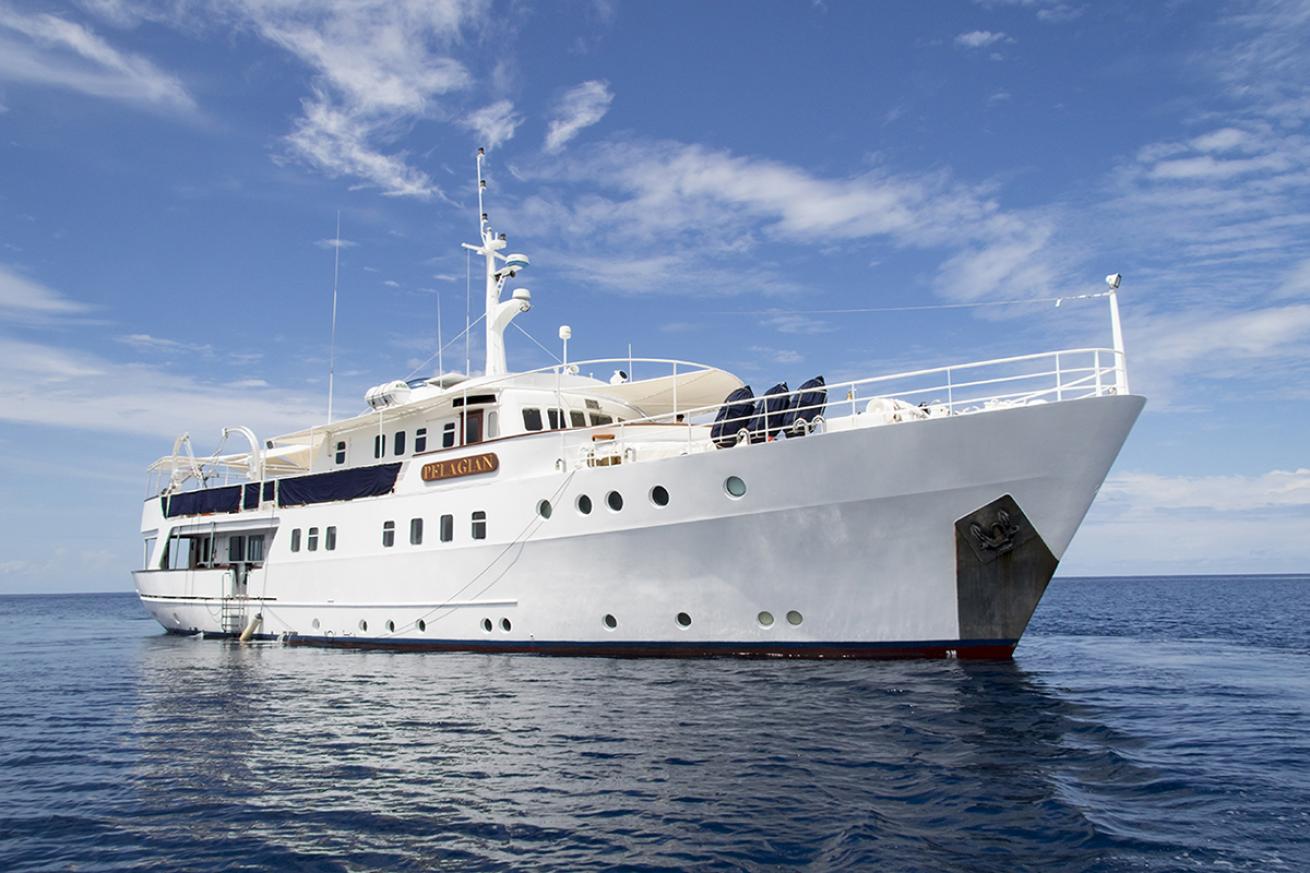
698	388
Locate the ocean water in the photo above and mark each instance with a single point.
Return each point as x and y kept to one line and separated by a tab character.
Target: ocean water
1145	724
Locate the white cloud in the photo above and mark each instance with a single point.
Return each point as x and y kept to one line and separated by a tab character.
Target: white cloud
391	283
51	386
43	49
381	65
1296	281
778	356
1151	523
1050	11
144	342
22	298
981	39
336	243
494	124
580	107
1141	493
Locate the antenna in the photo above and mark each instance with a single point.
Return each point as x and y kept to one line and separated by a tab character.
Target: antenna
441	368
332	340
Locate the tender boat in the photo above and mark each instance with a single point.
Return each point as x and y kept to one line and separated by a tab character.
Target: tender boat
676	514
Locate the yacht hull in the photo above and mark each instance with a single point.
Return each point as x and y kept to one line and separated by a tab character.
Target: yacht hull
932	538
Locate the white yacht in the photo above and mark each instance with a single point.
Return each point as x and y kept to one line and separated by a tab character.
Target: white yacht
675	514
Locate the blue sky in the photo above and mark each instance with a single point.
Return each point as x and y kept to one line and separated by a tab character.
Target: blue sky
170	176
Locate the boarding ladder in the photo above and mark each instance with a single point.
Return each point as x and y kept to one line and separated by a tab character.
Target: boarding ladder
232	605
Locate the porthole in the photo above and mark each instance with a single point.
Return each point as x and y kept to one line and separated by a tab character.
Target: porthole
391	626
734	486
611	622
794	617
544	508
765	619
659	495
584	504
422	625
505	625
363	625
486	625
684	620
614	500
315	624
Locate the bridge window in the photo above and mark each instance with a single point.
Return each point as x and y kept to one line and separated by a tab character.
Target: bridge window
379	446
399	443
447	528
255	547
479	525
416	531
577	418
311	542
295	540
532	419
420	440
341	452
388	534
236	549
448	435
598	418
556	420
329	539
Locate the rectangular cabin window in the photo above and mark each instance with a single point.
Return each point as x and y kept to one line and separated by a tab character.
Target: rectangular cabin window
340	457
577	418
447	528
592	404
416	531
399	443
295	540
492	430
388	534
330	539
236	549
555	421
311	541
598	418
479	525
532	419
448	435
150	547
379	446
420	440
255	548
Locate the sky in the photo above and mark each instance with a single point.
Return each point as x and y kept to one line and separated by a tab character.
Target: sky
699	180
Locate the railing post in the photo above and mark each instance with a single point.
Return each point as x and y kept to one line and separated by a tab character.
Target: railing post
1096	366
950	392
1059	380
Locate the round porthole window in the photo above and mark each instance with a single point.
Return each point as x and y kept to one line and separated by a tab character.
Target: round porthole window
422	625
684	620
363	625
584	504
391	626
794	617
734	486
486	625
765	619
544	508
505	625
614	500
659	495
611	622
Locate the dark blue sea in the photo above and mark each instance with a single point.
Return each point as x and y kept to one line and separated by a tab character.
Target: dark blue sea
1145	724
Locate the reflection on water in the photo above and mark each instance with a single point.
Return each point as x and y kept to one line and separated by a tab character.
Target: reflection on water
125	747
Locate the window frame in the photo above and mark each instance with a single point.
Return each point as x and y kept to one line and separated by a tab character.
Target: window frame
479	524
532	419
311	540
330	538
447	525
339	453
398	443
295	539
420	440
416	531
388	534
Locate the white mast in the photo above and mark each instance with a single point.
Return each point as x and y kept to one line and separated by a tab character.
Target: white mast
332	340
498	314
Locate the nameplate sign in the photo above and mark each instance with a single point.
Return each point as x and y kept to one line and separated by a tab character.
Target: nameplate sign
453	469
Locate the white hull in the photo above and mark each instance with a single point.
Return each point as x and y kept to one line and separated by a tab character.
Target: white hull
853	530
